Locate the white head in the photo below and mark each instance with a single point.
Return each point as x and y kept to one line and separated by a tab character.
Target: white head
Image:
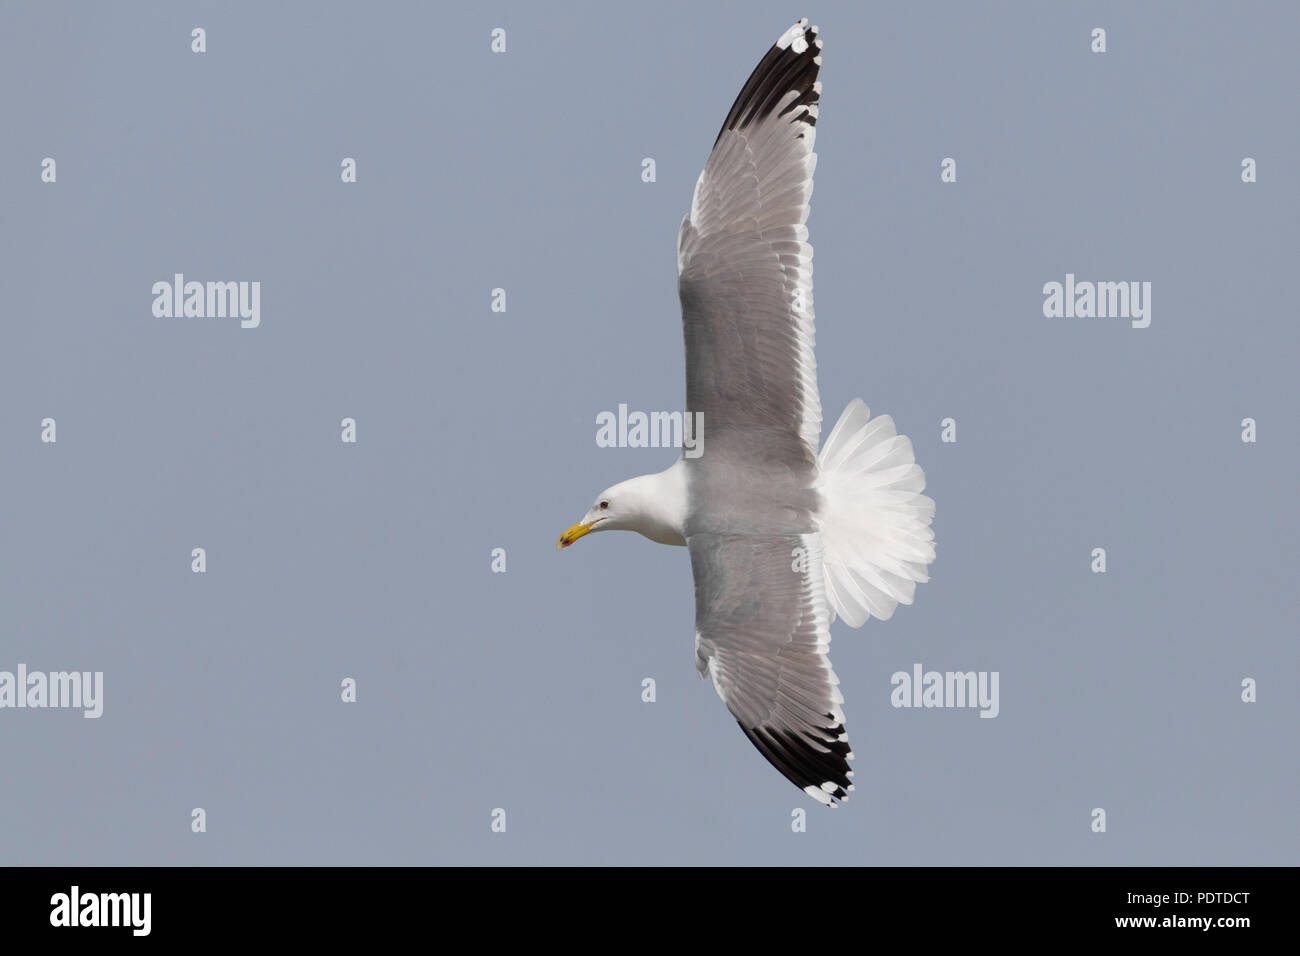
617	508
651	505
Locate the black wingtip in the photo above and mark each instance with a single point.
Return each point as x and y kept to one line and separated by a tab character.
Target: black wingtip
792	63
809	761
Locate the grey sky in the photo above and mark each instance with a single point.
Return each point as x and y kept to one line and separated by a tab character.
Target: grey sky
477	430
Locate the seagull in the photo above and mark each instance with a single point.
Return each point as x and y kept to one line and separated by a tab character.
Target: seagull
782	538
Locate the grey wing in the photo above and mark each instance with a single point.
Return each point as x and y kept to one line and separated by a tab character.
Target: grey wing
744	264
762	633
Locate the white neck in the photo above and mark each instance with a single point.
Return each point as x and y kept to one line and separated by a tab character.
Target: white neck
661	504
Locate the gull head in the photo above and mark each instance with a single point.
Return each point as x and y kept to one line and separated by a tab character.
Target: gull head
613	509
652	505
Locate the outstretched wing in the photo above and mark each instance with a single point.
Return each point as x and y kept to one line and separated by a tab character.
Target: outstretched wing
762	631
744	264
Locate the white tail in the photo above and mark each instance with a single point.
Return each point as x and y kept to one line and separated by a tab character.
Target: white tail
876	534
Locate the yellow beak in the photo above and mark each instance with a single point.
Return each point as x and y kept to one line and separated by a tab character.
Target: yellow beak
574	533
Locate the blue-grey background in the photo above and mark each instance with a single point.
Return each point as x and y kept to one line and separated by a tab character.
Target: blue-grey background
477	430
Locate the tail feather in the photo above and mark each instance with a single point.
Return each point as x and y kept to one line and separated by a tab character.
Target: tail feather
876	534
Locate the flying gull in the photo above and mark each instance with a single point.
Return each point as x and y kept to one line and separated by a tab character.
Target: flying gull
782	539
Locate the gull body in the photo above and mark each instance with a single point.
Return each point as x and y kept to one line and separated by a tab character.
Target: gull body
782	537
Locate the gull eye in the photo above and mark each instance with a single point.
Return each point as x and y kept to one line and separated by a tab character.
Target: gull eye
604	505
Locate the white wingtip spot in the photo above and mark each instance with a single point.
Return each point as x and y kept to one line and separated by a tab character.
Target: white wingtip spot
794	34
799	44
817	795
